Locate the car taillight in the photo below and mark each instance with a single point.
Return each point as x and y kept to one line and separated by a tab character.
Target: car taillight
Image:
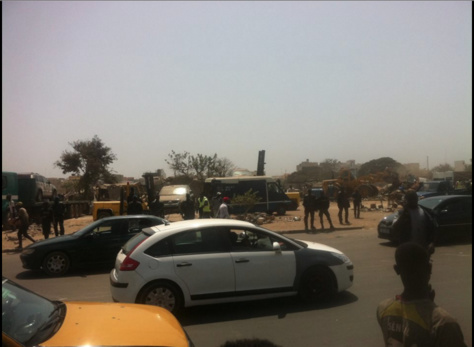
129	264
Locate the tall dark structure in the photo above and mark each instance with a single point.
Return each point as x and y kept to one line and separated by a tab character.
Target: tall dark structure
261	163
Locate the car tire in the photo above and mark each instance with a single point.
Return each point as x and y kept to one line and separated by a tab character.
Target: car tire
281	210
162	293
317	285
103	214
56	264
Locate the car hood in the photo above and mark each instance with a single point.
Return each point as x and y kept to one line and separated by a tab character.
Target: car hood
172	197
321	247
52	241
117	324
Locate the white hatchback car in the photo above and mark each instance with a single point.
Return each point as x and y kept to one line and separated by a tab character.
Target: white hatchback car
208	261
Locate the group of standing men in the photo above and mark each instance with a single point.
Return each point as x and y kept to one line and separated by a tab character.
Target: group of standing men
218	207
50	215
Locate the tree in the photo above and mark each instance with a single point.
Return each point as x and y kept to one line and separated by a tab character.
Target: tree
378	165
199	166
330	168
90	160
247	200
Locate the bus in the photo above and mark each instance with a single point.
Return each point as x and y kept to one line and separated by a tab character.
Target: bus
272	196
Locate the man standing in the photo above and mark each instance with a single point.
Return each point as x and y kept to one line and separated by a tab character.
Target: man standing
203	206
216	202
24	223
309	203
135	206
46	219
415	224
224	209
323	205
187	208
58	216
412	318
157	208
357	201
343	204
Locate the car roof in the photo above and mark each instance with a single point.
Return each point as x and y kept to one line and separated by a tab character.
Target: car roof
132	216
201	223
447	197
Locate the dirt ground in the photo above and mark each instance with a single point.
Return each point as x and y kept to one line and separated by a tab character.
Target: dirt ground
371	213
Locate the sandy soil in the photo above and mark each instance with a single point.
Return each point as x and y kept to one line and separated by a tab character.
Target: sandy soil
291	222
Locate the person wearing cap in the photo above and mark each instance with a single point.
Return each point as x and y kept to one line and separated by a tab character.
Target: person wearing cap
412	318
24	223
224	209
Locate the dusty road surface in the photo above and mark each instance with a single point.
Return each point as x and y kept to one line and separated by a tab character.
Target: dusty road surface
291	222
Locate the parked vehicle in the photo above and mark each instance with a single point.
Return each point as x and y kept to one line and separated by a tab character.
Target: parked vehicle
452	214
207	261
32	189
172	196
272	196
95	245
434	188
29	319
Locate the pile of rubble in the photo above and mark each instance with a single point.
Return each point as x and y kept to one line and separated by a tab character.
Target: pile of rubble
260	218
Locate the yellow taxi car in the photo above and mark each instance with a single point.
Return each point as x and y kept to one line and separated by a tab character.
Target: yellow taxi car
29	319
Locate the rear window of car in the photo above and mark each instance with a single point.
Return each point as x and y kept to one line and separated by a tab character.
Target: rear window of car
134	242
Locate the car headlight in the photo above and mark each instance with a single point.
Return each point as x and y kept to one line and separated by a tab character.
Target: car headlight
341	257
28	251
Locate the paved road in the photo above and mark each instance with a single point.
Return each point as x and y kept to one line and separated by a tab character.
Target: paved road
348	321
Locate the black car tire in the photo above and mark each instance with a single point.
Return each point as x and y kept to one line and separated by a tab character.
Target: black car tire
281	210
103	214
317	284
56	263
162	293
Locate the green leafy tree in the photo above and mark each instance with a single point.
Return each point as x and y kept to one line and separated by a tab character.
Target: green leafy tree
378	165
199	166
247	200
90	160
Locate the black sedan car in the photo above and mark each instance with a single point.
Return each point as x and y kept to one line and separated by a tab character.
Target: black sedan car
95	245
452	213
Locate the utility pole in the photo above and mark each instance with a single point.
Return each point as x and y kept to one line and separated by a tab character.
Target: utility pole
261	163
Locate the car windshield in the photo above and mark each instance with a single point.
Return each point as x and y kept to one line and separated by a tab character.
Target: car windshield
173	191
88	228
429	187
430	203
27	317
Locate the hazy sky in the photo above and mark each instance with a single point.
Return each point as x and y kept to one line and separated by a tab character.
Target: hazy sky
300	80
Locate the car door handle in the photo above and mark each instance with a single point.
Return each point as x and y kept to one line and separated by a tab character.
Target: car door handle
242	260
184	264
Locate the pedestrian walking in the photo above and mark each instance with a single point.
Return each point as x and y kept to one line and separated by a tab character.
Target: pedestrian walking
58	216
24	223
343	204
415	223
46	219
357	201
412	318
322	204
224	209
309	203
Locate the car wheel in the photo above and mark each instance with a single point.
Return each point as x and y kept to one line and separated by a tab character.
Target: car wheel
163	294
39	196
56	264
317	285
281	210
103	214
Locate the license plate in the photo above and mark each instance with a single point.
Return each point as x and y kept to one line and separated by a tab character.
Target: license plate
384	231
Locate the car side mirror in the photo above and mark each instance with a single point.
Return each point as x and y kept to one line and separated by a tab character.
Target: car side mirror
276	247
